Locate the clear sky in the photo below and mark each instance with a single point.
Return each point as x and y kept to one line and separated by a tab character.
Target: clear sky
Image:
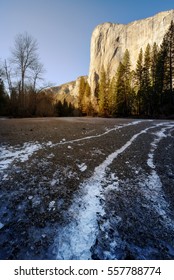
63	28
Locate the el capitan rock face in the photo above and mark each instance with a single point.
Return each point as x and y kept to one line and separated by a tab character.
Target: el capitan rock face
109	42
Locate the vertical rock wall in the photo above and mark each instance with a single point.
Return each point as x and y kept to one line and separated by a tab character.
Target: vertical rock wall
109	42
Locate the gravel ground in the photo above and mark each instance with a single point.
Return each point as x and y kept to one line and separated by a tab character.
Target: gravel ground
112	177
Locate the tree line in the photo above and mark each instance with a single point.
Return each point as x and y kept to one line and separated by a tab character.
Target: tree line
147	90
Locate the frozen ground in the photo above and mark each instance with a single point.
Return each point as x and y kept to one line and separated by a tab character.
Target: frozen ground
86	188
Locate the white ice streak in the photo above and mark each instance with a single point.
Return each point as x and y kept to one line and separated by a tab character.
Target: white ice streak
152	187
9	154
63	142
22	154
159	135
76	239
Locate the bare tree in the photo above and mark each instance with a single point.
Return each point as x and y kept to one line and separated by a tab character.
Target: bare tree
1	71
26	61
7	72
37	72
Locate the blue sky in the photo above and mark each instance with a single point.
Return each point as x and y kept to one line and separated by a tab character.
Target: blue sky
63	29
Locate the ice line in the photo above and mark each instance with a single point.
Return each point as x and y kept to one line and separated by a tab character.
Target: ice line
98	135
8	155
76	239
152	187
101	168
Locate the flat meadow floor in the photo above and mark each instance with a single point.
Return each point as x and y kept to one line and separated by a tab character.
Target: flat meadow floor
86	188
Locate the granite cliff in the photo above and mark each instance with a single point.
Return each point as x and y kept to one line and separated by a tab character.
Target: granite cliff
109	42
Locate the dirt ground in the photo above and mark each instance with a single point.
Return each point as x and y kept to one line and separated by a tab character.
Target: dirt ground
46	165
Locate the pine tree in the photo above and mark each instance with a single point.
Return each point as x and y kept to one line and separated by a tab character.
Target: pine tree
103	94
4	99
154	83
139	81
120	89
82	86
160	76
167	50
84	98
154	58
165	73
146	100
123	86
87	105
112	97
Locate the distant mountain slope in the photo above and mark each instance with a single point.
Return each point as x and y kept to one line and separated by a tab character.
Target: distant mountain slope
67	91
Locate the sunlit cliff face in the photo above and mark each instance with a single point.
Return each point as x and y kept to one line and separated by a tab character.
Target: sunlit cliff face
109	42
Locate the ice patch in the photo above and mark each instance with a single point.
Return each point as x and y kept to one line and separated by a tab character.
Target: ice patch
113	187
1	225
97	152
51	205
49	143
50	155
9	154
82	167
111	183
36	201
5	177
152	188
54	182
76	239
